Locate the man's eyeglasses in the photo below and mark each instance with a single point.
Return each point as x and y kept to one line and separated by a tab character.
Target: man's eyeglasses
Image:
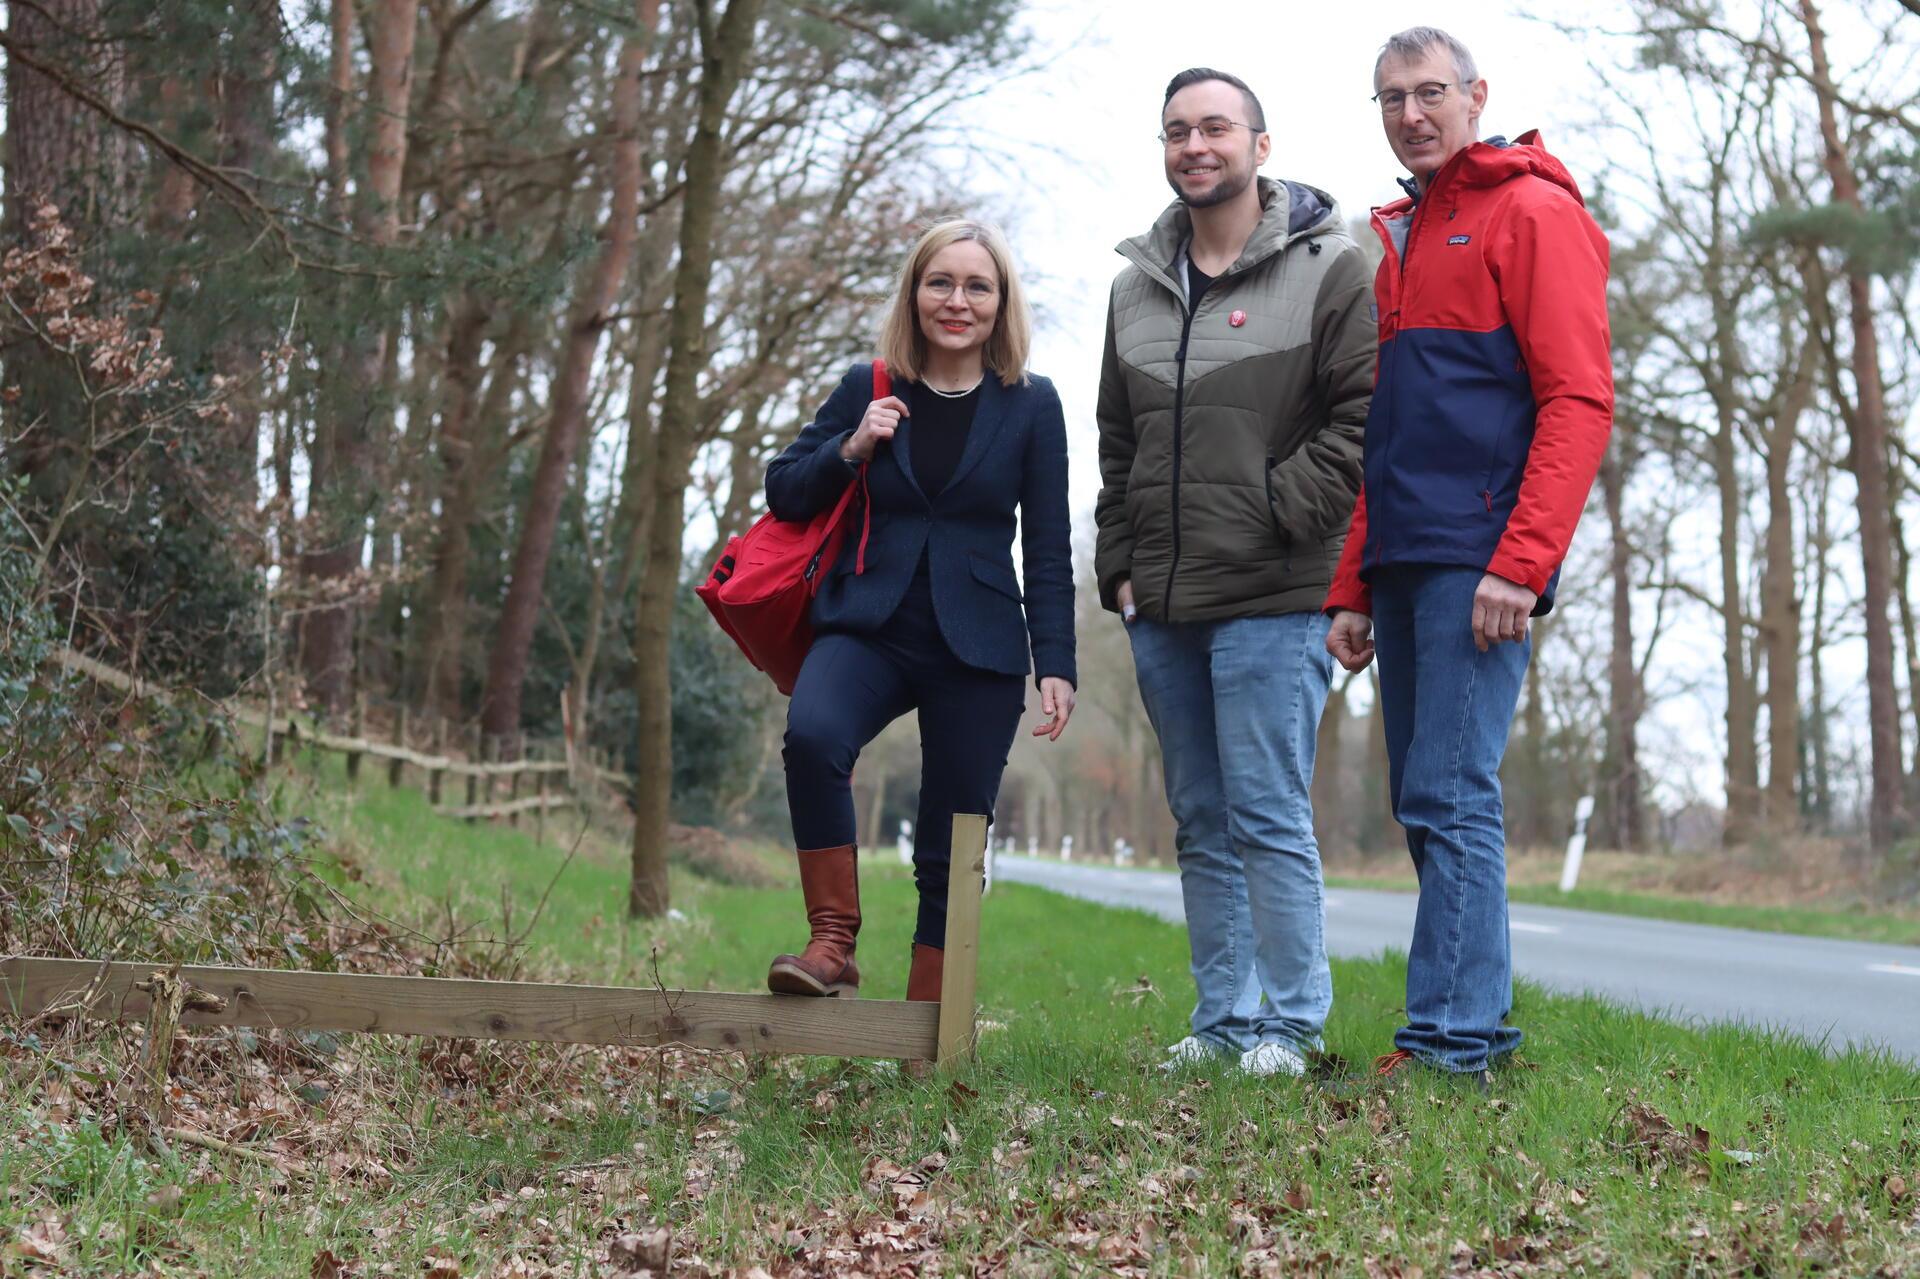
1213	129
942	287
1428	95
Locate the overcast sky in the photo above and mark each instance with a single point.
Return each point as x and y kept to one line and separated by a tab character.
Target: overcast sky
1312	66
1096	177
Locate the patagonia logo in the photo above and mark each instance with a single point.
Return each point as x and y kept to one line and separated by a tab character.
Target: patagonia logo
1458	239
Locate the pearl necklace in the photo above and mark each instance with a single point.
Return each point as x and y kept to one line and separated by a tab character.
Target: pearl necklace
955	395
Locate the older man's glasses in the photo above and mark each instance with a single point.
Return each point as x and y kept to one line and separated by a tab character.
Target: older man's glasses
1214	129
1428	95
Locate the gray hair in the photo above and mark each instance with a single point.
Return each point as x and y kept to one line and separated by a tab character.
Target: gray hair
1416	42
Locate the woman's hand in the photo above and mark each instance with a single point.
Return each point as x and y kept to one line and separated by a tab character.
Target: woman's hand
878	423
1056	702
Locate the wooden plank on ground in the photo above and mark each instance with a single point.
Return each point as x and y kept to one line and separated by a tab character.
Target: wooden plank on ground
966	866
456	1007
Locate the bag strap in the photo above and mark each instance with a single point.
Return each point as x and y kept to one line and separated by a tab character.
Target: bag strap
882	387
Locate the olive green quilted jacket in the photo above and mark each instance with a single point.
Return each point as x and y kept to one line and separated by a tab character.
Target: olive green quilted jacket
1230	438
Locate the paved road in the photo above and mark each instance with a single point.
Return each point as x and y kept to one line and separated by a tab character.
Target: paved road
1854	992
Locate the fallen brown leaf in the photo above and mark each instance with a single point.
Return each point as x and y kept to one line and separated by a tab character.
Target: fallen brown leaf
642	1250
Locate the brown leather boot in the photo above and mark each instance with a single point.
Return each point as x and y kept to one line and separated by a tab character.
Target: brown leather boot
923	979
830	882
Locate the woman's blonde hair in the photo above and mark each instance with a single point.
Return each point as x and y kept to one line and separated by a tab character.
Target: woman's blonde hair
904	347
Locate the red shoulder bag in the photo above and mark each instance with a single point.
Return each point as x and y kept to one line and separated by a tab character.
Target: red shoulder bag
763	587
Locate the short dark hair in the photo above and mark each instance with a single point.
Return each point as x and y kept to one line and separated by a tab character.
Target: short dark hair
1200	75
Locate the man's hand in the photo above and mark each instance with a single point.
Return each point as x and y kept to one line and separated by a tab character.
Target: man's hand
1056	703
1351	639
1501	610
1123	596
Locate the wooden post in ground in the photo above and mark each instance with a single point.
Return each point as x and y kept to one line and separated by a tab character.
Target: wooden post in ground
356	725
490	752
540	813
513	791
400	740
473	779
440	752
967	866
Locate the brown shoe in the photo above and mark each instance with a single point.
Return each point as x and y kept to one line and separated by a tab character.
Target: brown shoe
923	979
830	883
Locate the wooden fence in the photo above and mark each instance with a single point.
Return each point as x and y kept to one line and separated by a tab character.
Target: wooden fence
483	777
34	989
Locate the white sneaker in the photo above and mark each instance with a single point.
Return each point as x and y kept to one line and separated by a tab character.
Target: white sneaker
1191	1052
1272	1059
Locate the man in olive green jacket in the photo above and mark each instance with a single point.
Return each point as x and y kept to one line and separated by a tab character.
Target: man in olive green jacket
1233	393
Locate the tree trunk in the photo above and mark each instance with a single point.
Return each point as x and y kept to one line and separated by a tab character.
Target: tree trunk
1376	826
246	138
1817	790
459	487
875	766
1622	816
339	104
1743	712
341	484
58	150
1329	770
723	57
513	641
1780	602
1903	565
1868	427
744	472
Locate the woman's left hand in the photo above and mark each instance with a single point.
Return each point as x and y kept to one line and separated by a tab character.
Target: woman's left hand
1056	702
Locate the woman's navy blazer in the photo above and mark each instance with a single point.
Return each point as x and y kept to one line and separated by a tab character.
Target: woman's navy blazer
1016	456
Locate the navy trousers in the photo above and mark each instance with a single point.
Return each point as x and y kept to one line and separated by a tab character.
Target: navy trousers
850	688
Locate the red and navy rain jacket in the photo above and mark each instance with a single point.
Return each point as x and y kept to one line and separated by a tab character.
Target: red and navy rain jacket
1493	397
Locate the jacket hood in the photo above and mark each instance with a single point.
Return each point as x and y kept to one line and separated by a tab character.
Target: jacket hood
1289	211
1492	162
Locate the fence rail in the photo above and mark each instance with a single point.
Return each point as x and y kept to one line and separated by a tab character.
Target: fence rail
355	746
34	988
457	1007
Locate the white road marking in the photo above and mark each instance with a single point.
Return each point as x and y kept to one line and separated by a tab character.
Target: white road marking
1901	970
1519	927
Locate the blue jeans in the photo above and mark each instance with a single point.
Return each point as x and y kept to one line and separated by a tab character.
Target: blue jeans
1447	709
1236	705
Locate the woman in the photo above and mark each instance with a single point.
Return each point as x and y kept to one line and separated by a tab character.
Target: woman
929	618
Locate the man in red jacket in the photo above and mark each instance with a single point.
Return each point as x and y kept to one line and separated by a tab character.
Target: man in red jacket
1490	413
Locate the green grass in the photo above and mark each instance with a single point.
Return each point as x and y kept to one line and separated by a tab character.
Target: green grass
1064	1151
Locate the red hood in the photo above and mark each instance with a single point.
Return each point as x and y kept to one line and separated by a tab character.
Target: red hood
1488	164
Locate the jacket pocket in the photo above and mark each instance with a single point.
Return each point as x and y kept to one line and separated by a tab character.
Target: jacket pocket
1273	509
995	576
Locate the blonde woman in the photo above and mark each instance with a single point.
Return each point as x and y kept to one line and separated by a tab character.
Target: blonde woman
968	447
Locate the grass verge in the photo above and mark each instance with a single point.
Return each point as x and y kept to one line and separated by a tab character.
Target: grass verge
1619	1144
1855	925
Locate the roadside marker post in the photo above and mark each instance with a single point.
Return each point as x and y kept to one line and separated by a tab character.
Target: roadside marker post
1577	846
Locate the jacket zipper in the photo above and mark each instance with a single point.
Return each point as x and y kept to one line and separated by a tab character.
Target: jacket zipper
1401	258
1179	415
